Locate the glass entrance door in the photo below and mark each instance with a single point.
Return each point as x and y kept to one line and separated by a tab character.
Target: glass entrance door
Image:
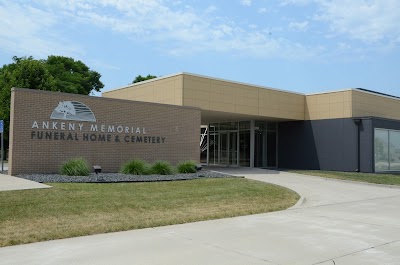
228	148
233	150
224	147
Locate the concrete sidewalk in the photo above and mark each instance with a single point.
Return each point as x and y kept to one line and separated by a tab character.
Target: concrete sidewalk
338	223
8	182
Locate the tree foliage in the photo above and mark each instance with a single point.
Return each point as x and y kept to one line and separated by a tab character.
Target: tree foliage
72	76
140	78
56	73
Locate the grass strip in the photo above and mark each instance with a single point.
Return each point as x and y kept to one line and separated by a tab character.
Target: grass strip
382	178
72	209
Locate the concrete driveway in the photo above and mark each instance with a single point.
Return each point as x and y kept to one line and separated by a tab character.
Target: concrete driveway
336	223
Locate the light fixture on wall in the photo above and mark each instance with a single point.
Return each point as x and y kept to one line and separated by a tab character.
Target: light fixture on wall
97	169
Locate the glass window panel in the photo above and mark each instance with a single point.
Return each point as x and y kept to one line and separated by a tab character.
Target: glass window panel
271	149
381	144
271	126
226	126
244	148
394	150
244	125
233	148
223	155
214	127
261	125
213	148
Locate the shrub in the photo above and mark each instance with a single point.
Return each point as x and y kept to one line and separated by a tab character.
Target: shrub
162	168
75	167
135	167
187	167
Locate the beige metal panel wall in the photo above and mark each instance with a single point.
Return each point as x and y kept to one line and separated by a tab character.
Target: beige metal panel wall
281	104
225	96
329	105
367	104
165	90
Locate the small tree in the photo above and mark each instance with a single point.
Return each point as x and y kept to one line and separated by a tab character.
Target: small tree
56	73
140	78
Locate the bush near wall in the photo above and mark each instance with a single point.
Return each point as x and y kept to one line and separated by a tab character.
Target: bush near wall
139	167
186	167
162	168
75	167
135	167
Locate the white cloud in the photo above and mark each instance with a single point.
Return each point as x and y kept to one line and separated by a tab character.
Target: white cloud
211	9
177	30
27	30
295	2
298	26
262	10
368	21
246	2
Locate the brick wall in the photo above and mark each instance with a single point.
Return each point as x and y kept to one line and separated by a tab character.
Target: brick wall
179	126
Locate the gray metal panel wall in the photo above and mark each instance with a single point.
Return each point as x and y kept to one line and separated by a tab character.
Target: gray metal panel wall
296	146
366	146
321	144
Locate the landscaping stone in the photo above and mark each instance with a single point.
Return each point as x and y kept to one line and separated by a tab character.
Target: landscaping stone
118	177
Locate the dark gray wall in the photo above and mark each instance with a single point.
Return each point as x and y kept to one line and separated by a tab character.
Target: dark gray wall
329	144
366	146
323	144
385	123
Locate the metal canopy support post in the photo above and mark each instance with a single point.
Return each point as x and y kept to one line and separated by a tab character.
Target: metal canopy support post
252	140
358	122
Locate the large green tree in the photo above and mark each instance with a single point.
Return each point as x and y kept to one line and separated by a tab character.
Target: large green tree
56	73
72	76
140	78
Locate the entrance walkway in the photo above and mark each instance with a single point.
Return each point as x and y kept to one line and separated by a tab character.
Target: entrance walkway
8	182
337	223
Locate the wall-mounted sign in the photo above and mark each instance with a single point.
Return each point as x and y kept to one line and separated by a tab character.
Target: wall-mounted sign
75	131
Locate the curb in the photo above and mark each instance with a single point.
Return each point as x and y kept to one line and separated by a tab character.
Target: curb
348	181
300	202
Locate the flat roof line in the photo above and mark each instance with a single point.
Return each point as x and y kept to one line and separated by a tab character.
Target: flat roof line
331	91
376	93
242	83
144	82
203	76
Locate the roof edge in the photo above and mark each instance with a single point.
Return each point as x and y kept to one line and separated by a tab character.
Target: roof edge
330	91
203	76
243	83
144	82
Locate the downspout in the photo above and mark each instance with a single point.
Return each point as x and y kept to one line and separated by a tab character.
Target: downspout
358	123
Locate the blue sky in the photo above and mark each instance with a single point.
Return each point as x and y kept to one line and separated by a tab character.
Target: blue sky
299	45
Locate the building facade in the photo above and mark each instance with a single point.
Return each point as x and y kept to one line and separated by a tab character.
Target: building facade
255	126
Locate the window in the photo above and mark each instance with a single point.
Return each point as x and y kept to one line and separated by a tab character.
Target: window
387	150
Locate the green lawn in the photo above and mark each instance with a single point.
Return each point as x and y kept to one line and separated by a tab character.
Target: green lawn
388	179
72	209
